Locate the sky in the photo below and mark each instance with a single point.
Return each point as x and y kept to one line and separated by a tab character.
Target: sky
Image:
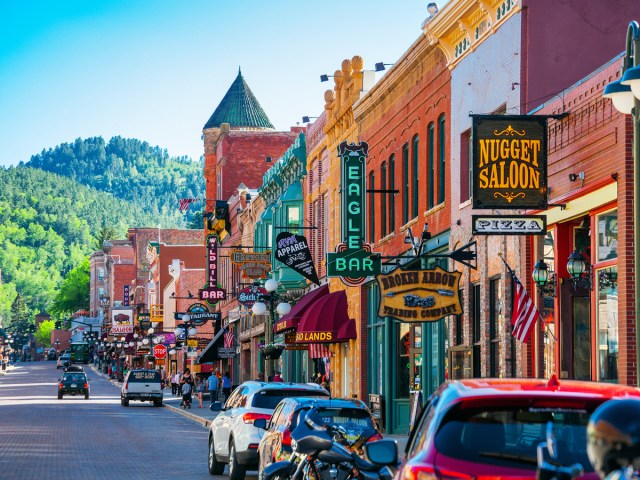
156	70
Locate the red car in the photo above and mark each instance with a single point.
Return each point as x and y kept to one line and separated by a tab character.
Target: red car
489	428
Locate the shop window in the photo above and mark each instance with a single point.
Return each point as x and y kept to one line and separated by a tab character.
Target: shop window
392	196
403	359
430	165
495	303
459	328
475	329
383	200
415	176
607	324
441	159
607	225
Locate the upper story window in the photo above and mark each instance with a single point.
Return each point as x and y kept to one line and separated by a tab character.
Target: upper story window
293	216
442	171
405	183
415	176
465	166
372	208
430	165
392	196
100	273
383	200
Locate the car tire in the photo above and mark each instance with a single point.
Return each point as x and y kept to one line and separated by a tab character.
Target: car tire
59	396
86	396
157	403
236	471
215	467
125	402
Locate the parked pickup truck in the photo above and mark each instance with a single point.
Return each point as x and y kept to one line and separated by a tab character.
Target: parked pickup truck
143	385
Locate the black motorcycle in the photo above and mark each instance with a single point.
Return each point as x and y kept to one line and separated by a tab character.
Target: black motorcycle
548	466
320	453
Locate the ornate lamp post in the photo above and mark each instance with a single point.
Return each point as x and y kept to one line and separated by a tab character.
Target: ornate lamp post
625	95
189	331
260	308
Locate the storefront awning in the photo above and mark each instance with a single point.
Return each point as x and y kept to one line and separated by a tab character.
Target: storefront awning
291	319
327	321
210	353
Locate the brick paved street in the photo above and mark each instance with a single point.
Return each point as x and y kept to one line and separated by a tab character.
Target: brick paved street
42	437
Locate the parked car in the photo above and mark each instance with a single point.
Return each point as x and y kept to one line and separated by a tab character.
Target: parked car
142	385
233	438
73	383
63	361
354	415
480	428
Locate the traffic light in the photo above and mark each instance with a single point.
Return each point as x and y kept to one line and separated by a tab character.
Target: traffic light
32	328
58	324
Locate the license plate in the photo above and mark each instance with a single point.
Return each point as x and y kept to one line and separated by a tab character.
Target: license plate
73	385
145	394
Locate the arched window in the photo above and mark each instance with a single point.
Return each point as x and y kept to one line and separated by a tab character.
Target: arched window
415	177
392	196
442	173
372	208
430	165
405	183
383	200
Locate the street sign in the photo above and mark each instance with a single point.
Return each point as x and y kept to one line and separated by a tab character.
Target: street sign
159	351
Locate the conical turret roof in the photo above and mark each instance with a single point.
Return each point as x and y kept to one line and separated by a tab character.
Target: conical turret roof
240	109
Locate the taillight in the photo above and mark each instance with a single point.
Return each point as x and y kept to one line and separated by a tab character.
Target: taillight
286	438
126	386
61	385
86	385
427	472
249	417
375	438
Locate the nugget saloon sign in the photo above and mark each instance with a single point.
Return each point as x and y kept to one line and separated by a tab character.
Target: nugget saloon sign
509	161
419	296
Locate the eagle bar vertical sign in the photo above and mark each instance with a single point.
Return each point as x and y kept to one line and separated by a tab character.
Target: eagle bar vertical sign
353	261
509	161
212	293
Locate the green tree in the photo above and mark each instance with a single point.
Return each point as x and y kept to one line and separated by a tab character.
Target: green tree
106	233
74	292
43	333
19	322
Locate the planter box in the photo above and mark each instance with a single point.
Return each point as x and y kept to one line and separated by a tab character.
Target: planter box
271	353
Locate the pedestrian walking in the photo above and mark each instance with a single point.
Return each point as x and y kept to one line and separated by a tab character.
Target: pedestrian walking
186	395
277	377
175	384
226	385
186	386
213	385
199	390
260	377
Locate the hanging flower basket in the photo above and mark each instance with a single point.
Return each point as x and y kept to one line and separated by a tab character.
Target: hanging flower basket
272	352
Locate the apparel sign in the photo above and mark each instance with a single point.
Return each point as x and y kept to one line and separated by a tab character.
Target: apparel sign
353	261
509	161
212	292
419	296
293	251
253	265
250	295
121	321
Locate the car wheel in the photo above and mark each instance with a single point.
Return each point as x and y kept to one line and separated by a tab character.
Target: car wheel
215	467
157	403
125	402
59	396
86	396
236	471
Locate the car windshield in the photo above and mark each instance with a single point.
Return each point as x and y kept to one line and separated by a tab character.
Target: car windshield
269	398
144	376
508	436
74	378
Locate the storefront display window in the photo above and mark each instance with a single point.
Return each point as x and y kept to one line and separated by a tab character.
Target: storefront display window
547	311
403	361
607	322
608	235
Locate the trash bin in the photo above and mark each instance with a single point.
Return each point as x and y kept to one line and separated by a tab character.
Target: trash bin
376	405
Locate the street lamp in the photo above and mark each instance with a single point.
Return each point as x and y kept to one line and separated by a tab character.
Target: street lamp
260	308
188	330
625	95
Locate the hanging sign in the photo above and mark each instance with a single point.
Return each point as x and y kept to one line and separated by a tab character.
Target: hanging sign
419	296
212	293
121	321
506	225
353	262
125	298
293	251
509	161
250	295
253	265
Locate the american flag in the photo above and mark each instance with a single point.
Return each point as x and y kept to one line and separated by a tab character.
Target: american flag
185	202
228	339
525	313
318	350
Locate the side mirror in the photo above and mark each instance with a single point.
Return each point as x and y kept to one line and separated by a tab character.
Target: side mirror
216	407
382	452
260	423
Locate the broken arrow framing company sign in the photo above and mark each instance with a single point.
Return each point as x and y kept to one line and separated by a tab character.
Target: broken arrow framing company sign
419	296
509	161
293	251
505	225
353	260
212	293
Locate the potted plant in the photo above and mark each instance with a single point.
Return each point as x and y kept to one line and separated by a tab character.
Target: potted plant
271	351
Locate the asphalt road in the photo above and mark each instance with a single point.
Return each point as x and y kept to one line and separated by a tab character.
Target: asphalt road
42	437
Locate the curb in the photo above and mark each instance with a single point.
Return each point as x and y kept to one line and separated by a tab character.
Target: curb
203	421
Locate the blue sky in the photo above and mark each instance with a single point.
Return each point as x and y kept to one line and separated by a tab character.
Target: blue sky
156	70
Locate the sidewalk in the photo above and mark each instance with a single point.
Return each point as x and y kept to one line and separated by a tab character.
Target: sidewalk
204	415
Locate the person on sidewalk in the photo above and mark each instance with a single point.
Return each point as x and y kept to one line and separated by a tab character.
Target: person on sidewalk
199	390
213	385
277	377
176	380
186	386
226	385
186	395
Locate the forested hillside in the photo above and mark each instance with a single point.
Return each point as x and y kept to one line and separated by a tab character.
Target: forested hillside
55	209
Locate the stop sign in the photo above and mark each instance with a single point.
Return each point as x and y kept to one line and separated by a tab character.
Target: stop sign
160	351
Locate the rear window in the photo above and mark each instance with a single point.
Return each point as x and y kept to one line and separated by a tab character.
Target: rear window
75	377
144	376
271	397
508	435
340	416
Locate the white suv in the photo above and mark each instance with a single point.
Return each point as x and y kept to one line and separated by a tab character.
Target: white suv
143	385
233	438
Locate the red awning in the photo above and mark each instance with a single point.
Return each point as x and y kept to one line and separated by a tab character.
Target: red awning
327	321
291	319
